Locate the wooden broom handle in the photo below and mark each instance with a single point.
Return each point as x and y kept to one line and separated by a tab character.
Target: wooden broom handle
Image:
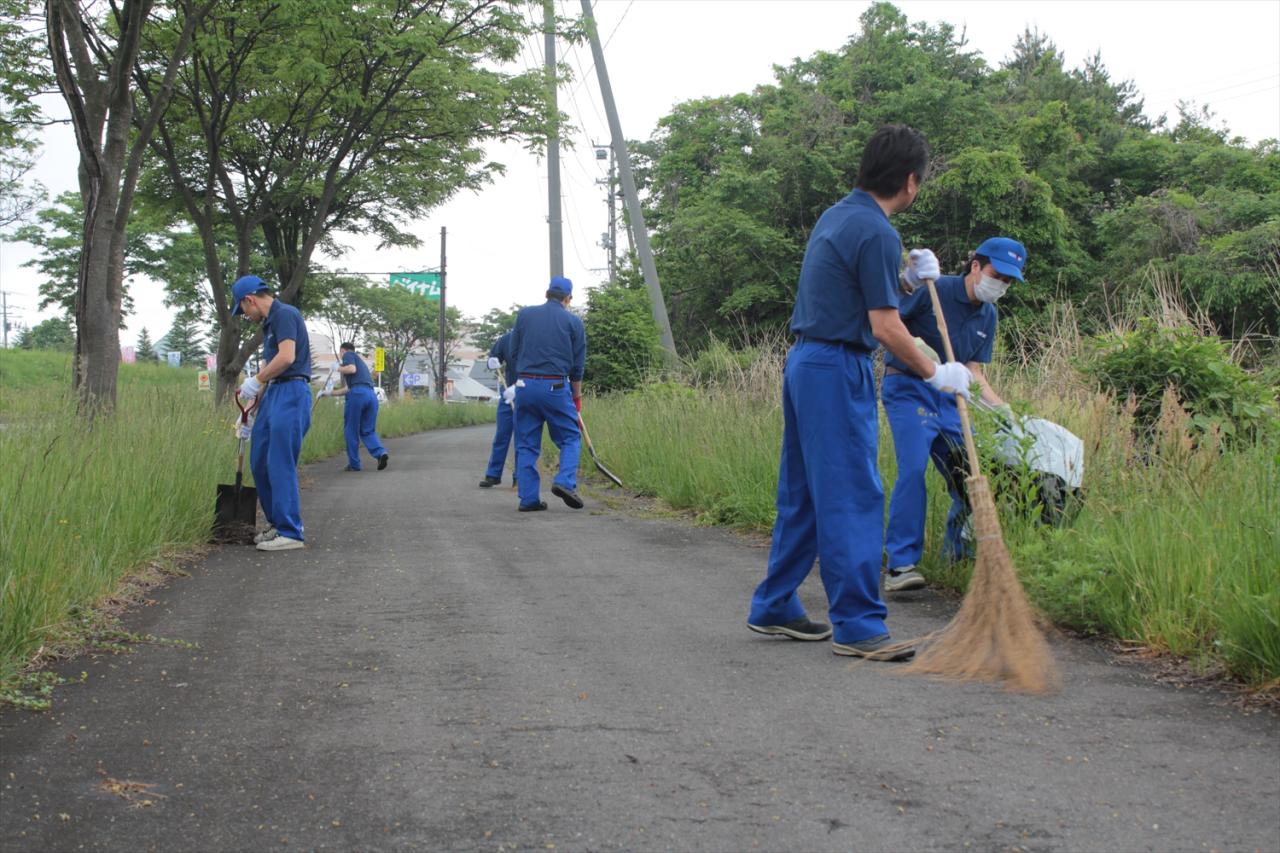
962	405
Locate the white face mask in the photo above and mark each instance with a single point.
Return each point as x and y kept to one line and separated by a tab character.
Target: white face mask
990	289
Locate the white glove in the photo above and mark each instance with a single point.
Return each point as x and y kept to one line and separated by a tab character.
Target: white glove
509	395
921	264
244	430
250	389
494	364
325	392
953	375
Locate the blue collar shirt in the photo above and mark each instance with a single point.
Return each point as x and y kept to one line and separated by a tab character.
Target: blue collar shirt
549	340
972	326
850	267
285	323
362	376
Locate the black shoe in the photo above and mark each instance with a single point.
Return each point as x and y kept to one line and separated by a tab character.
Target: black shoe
569	497
538	507
382	461
875	648
349	468
801	629
489	482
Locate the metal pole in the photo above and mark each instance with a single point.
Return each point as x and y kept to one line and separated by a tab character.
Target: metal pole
441	373
613	218
554	220
4	309
639	232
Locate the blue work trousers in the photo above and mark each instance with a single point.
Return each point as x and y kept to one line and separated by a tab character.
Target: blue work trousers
284	416
360	423
501	440
830	501
925	425
548	401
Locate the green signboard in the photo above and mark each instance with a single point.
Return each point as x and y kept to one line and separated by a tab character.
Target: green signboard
425	284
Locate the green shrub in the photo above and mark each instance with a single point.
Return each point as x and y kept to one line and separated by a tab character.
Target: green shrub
1146	361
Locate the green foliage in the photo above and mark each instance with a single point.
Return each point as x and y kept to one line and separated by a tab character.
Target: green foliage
55	333
145	350
187	338
622	340
1143	363
492	326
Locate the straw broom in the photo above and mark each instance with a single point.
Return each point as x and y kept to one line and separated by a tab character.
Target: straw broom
994	636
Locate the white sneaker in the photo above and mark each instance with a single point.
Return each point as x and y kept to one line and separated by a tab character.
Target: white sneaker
269	533
903	578
281	543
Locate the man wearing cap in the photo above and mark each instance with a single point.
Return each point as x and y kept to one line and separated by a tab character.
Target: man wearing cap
360	416
500	356
830	503
283	390
549	345
924	421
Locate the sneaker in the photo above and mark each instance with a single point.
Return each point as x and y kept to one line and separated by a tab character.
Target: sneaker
902	579
875	648
281	543
569	496
489	482
801	629
538	507
350	468
382	461
266	535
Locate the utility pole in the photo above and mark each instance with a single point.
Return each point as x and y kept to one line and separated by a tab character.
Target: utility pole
610	241
640	234
4	310
442	374
554	220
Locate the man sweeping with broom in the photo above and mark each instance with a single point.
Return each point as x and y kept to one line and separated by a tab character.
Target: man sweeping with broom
830	503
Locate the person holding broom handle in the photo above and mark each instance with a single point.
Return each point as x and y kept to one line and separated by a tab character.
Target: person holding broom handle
925	422
830	503
360	417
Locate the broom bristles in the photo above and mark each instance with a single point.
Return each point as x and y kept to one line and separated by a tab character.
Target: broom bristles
994	636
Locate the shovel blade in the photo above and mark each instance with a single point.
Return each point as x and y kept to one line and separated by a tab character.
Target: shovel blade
235	512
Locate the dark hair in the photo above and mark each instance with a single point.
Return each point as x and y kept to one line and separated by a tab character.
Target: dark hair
893	152
347	345
558	295
982	260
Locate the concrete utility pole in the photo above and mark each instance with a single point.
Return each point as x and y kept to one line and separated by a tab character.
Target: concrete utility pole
610	241
4	310
640	233
442	372
554	220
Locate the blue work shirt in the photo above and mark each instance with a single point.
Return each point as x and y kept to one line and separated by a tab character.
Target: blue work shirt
972	326
549	340
502	352
850	267
285	323
362	376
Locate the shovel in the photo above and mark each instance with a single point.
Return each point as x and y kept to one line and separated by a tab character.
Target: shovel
236	512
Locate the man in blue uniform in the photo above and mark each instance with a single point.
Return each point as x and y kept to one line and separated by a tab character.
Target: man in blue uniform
924	421
830	503
549	345
501	356
283	389
360	419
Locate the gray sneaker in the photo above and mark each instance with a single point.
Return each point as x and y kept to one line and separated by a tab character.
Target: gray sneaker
902	579
875	648
800	629
266	535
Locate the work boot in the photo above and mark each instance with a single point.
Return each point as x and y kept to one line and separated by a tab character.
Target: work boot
268	533
569	496
800	629
489	482
535	507
902	579
281	543
383	460
875	648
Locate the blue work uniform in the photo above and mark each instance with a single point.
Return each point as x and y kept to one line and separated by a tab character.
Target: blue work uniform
284	416
360	417
925	422
506	413
830	502
550	348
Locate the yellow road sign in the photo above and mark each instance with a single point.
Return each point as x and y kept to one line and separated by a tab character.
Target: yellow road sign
379	360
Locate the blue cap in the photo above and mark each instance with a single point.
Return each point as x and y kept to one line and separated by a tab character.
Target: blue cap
560	284
1007	256
246	285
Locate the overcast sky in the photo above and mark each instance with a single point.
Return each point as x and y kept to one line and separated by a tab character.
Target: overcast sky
1222	54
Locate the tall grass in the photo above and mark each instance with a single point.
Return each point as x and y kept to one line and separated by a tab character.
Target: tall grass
1176	545
81	506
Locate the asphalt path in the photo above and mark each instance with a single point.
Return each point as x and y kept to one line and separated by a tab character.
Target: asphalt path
438	671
